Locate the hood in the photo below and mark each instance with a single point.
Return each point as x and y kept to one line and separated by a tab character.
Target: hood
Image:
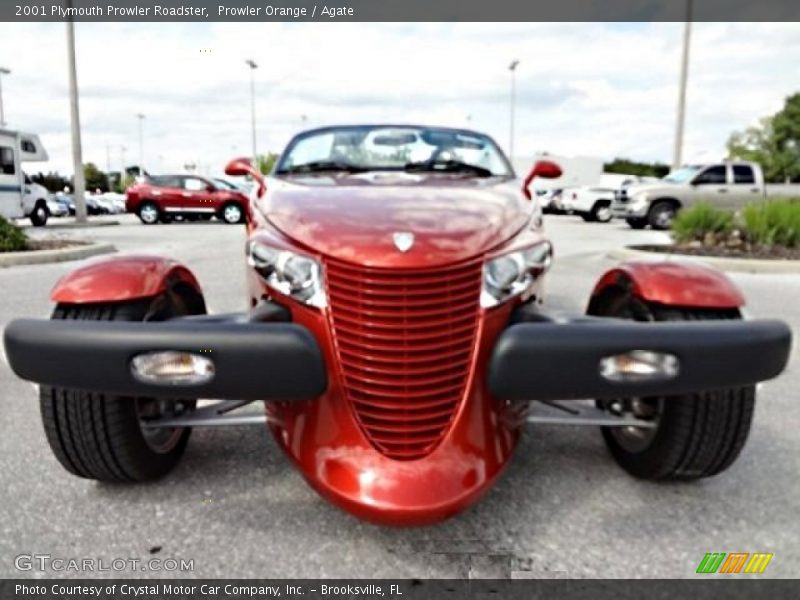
354	217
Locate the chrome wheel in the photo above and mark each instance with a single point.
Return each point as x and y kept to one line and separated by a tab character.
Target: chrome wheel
232	214
148	213
603	214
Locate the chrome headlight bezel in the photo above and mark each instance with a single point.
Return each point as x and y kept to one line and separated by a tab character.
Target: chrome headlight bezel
290	273
523	268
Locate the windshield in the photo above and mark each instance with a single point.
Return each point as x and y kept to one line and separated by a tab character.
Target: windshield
682	175
221	183
381	148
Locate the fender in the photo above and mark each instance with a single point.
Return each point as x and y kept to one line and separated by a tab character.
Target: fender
121	278
671	283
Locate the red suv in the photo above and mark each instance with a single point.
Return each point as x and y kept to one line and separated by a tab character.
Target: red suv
164	196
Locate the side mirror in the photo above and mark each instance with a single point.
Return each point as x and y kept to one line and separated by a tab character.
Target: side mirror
241	167
545	169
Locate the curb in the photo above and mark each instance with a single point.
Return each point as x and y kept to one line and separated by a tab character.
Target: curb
71	225
734	265
36	257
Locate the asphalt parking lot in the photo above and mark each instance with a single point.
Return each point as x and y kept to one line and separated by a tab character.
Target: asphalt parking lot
236	506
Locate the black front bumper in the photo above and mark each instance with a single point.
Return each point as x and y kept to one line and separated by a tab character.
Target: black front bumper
252	360
560	360
543	360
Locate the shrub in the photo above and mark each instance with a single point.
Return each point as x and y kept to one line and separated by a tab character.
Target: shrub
12	239
773	222
695	223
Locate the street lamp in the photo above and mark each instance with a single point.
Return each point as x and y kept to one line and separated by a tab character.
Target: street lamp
513	68
75	126
3	71
123	173
677	158
253	66
140	116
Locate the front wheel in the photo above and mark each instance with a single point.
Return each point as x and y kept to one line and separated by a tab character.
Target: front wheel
694	435
661	215
232	213
148	213
39	215
100	436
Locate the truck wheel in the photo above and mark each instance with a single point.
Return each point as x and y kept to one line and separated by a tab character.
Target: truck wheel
586	216
98	436
636	222
696	435
601	211
232	213
662	214
40	214
148	213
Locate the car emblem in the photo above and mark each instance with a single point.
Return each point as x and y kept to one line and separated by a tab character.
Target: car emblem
403	240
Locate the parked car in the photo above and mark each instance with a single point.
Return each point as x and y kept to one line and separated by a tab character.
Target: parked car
110	203
726	184
162	197
396	335
66	201
56	208
551	201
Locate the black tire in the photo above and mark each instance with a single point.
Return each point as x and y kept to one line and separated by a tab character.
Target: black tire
40	214
588	217
231	213
97	436
636	222
601	211
661	214
149	213
697	435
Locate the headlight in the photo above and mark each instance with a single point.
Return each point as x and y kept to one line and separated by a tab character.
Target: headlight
512	274
291	274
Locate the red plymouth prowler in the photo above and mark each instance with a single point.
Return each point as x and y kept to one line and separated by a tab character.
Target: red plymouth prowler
396	337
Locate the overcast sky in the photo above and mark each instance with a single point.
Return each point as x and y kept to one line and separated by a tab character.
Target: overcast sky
582	89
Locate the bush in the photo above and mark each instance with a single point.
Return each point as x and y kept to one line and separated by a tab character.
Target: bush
773	223
12	239
695	223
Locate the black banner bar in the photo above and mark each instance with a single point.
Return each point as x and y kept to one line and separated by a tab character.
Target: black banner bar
399	10
703	587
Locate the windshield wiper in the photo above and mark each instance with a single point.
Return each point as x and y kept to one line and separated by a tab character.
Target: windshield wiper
447	166
322	165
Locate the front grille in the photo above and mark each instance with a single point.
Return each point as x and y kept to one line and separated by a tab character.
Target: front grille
404	340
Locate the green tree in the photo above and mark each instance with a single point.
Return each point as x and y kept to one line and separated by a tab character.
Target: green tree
266	162
632	167
774	143
95	178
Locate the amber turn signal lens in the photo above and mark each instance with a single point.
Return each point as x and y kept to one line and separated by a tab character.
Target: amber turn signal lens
639	365
172	368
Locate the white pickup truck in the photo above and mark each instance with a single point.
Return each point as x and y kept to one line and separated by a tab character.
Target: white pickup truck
729	185
19	197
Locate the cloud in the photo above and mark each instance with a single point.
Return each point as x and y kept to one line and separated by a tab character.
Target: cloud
582	89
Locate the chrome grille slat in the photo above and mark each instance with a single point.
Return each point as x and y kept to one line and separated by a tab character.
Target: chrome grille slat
405	341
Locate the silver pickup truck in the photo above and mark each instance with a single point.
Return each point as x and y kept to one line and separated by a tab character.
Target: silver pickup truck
726	184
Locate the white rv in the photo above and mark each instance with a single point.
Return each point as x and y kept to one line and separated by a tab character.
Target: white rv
18	196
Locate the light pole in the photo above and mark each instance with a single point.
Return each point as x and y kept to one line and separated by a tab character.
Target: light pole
3	71
253	66
513	68
75	126
677	158
140	116
123	173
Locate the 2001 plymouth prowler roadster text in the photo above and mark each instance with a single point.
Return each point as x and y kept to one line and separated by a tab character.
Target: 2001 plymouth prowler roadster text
396	337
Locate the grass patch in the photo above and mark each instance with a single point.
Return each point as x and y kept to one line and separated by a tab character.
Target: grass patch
773	223
12	238
770	228
697	222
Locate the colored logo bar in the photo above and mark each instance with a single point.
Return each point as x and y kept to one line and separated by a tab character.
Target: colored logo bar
734	562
